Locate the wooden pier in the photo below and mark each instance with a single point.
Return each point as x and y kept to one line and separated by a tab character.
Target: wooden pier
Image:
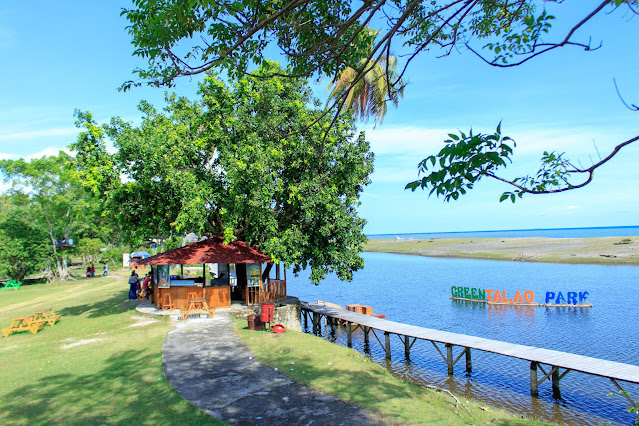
555	361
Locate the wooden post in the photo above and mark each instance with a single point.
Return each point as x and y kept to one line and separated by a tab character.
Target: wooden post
315	322
349	330
534	387
387	344
366	331
407	347
555	383
469	362
259	289
449	358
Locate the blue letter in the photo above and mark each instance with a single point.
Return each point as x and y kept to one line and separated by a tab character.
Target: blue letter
583	296
560	298
572	297
550	296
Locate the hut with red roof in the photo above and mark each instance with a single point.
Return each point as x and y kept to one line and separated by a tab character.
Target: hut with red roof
216	271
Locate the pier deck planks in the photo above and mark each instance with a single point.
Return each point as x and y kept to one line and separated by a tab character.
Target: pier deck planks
595	366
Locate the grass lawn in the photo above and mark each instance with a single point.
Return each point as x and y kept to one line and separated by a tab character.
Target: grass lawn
100	364
352	377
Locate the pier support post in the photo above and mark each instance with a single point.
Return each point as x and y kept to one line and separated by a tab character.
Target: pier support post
305	319
349	332
534	385
469	362
556	393
407	347
366	331
387	344
315	323
449	358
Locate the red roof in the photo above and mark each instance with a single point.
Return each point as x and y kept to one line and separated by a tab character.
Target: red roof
212	250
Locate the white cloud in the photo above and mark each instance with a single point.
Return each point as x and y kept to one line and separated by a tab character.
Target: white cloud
47	151
65	131
414	140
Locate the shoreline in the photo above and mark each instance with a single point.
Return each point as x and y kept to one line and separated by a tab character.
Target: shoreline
593	251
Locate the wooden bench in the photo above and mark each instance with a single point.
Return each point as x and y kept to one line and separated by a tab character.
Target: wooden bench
23	324
11	284
197	305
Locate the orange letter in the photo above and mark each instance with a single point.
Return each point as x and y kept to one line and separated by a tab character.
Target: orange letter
529	296
498	297
518	298
490	295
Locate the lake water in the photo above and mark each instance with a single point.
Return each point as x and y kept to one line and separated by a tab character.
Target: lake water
605	231
416	290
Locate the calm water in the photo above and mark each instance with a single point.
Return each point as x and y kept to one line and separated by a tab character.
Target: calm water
415	290
607	231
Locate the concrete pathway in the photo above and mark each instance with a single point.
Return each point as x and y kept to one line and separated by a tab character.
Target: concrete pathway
208	364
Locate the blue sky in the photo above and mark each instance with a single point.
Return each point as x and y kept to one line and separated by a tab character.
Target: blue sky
58	56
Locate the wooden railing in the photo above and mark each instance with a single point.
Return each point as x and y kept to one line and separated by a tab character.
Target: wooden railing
270	291
273	290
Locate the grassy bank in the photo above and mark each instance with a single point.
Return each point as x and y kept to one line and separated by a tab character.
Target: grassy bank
350	376
604	250
102	363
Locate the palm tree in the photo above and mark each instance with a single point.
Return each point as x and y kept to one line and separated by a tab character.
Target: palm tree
367	97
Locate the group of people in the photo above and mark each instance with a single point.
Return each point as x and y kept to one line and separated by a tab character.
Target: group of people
91	270
140	289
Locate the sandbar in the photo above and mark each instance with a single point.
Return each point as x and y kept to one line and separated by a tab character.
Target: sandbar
600	250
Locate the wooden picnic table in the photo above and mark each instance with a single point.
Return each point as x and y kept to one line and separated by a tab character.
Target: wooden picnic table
47	316
33	323
197	305
23	324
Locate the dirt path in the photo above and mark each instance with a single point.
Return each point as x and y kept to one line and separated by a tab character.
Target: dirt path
208	364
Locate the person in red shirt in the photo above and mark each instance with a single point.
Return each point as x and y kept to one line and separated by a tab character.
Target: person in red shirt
146	290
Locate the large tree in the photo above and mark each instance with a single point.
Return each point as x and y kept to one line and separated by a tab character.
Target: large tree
326	37
256	161
23	245
52	199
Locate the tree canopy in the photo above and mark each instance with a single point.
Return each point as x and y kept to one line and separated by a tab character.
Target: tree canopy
254	160
333	38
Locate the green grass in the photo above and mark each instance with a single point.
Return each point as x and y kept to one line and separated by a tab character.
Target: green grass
350	376
91	367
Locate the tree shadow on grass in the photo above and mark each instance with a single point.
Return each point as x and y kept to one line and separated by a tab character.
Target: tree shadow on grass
112	305
130	389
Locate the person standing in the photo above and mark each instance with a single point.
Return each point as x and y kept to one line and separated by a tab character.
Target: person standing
134	284
105	273
146	293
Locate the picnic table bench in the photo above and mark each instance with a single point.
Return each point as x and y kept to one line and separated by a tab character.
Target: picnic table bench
11	284
33	323
197	305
